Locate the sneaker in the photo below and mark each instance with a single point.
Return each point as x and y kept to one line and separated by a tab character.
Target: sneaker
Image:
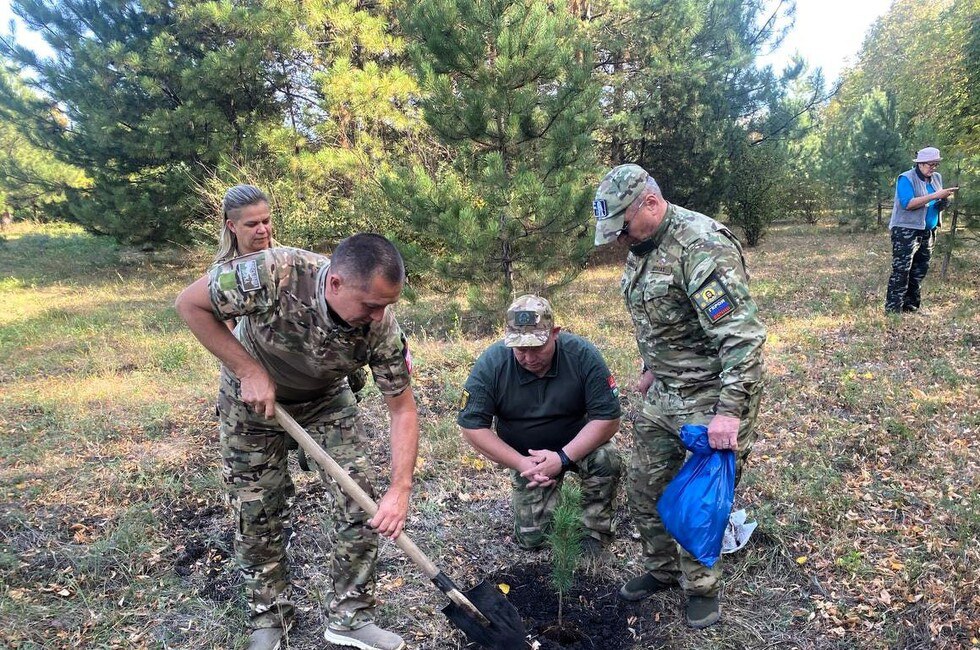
643	586
702	611
266	638
369	637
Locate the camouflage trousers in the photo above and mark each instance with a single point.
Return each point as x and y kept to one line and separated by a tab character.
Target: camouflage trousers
658	455
255	472
911	252
600	472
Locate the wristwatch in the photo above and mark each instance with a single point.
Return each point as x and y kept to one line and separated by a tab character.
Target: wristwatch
566	462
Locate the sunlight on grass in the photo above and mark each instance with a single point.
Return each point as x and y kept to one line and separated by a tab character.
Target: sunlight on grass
866	465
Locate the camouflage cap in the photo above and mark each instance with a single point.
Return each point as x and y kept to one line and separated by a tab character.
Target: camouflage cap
529	322
616	192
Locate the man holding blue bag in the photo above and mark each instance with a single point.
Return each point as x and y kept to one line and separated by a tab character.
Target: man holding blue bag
700	340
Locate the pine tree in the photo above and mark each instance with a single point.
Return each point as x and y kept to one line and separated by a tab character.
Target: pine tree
350	109
877	153
507	91
33	182
565	539
680	83
755	201
146	95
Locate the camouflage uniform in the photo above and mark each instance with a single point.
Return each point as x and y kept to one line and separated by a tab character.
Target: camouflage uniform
533	509
698	332
289	328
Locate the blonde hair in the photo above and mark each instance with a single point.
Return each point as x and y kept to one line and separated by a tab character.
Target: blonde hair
236	198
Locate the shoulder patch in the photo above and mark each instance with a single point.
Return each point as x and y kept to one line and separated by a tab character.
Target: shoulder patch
612	385
713	300
227	281
407	354
247	275
464	399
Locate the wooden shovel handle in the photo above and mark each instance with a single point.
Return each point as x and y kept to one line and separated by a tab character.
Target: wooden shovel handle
350	487
363	499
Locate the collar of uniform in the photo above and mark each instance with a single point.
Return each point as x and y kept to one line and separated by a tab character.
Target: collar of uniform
525	376
653	241
330	317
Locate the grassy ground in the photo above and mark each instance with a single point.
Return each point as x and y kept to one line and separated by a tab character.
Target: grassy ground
865	481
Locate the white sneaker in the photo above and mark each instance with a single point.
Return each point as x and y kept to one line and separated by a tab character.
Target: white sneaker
368	637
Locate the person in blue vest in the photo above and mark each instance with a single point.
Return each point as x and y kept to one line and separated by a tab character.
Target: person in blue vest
919	201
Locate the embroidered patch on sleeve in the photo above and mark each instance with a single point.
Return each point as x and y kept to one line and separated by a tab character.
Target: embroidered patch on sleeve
612	385
714	301
226	281
247	274
464	399
407	354
719	309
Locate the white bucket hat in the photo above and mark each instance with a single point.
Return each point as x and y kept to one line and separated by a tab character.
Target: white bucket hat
929	154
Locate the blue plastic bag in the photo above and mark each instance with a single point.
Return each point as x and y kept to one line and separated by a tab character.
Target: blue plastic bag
697	503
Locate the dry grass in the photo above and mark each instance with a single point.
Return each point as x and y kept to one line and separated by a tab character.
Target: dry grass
865	480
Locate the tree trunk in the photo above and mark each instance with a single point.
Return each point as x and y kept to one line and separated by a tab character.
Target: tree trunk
952	243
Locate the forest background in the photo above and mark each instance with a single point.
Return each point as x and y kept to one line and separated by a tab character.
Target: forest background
472	132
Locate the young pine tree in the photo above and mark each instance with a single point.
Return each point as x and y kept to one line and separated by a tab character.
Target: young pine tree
565	539
507	91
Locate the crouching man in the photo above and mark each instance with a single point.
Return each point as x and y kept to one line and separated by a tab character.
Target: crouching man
557	408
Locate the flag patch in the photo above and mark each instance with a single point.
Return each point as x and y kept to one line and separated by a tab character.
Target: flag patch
719	309
407	354
713	300
600	209
612	385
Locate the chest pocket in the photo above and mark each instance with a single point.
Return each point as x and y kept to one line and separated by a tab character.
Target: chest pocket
663	302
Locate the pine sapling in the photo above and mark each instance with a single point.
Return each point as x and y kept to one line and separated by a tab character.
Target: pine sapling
565	539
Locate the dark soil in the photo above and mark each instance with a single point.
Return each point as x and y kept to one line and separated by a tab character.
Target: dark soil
593	617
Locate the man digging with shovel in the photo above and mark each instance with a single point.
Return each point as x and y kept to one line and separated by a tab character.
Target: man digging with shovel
308	322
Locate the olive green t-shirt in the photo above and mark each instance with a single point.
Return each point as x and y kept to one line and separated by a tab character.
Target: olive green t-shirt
539	412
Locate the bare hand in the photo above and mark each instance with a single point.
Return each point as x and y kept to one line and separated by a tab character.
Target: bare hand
545	466
723	432
389	520
259	392
644	382
946	192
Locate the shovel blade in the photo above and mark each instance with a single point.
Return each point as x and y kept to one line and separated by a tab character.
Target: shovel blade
505	630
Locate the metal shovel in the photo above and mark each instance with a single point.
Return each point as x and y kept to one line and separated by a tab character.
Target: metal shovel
482	613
